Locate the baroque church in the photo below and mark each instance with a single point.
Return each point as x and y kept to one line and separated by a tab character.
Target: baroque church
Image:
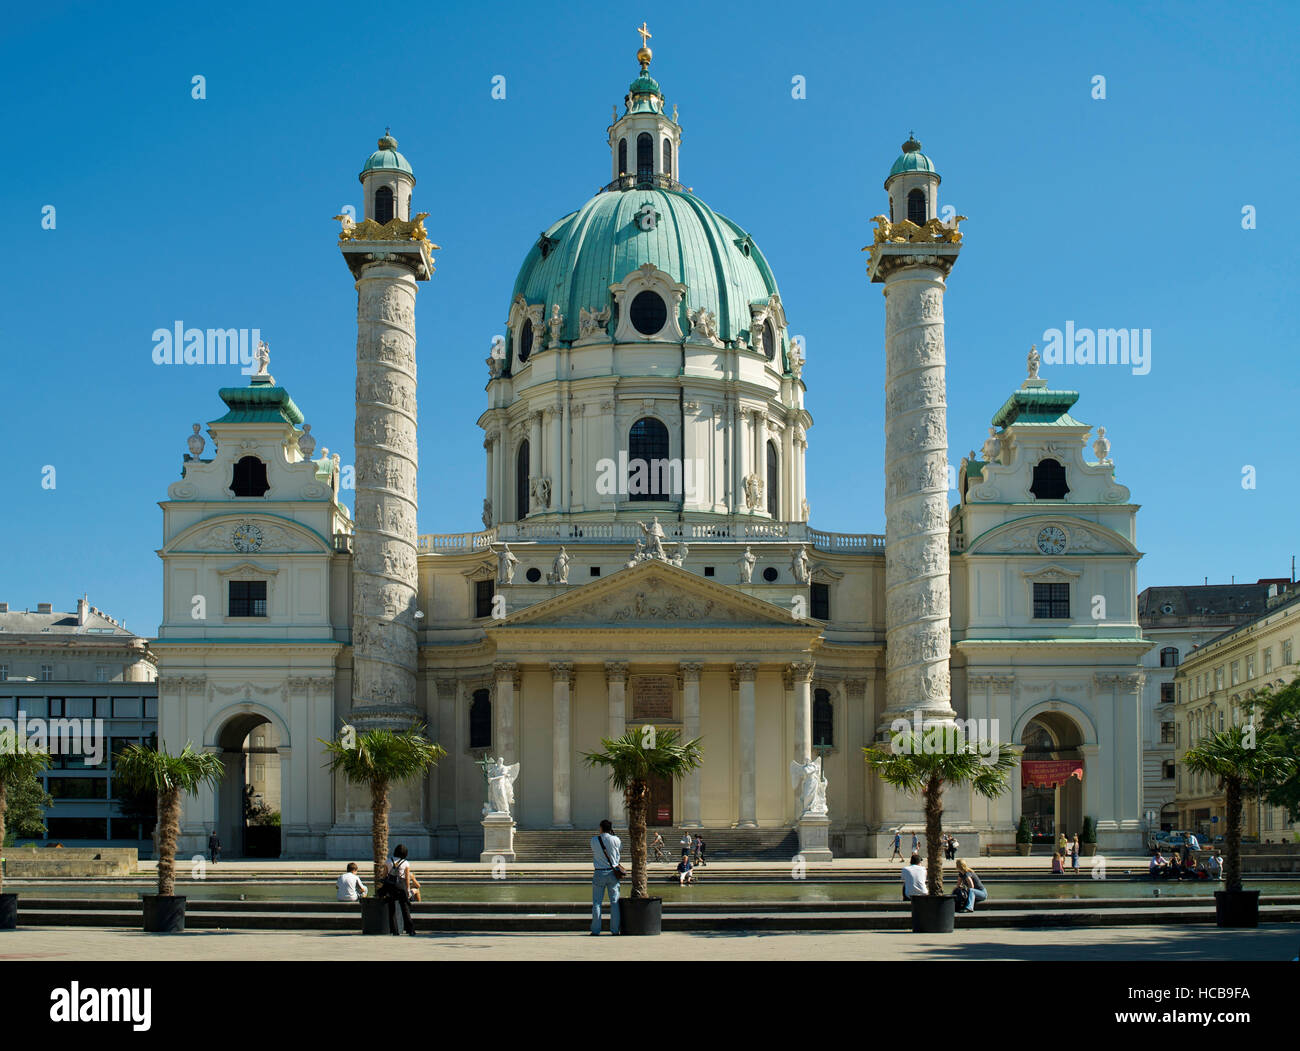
646	556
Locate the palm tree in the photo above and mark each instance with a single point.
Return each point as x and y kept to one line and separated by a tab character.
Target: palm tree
172	777
380	759
929	761
1241	763
16	766
643	753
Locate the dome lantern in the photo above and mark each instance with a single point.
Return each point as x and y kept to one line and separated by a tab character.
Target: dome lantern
386	181
913	185
645	143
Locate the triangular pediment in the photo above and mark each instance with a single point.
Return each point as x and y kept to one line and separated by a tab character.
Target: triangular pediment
654	595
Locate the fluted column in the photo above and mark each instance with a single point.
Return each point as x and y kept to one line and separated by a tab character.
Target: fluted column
917	596
383	562
747	738
561	755
616	686
690	672
503	710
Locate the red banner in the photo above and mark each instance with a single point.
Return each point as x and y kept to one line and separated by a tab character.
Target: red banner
1049	773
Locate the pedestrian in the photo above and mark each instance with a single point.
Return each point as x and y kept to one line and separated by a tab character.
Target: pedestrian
606	849
658	847
688	841
975	892
952	842
699	849
916	844
214	848
1063	845
398	884
898	842
913	875
350	886
1215	865
1074	854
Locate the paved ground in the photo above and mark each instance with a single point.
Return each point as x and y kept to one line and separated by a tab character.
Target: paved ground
1271	942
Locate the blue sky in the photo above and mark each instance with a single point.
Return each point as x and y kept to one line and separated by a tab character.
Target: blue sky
1122	212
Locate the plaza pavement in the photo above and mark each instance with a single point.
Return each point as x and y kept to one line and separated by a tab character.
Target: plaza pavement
1275	942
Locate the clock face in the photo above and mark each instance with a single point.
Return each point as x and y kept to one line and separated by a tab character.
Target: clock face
246	537
1051	540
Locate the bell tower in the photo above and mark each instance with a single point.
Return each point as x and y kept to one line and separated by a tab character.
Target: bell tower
645	143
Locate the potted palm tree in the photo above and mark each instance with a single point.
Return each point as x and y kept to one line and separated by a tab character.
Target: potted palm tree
18	766
1088	838
379	759
642	753
1241	763
1024	837
927	763
173	777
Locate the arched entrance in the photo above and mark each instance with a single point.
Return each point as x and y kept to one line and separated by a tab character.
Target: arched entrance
1050	796
248	799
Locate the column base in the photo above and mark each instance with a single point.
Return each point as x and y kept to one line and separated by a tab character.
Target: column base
745	824
814	838
498	839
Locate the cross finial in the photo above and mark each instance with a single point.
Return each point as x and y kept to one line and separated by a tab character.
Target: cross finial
645	34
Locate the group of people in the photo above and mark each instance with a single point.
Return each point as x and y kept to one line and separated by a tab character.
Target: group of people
969	889
949	844
397	886
1066	848
692	848
1185	867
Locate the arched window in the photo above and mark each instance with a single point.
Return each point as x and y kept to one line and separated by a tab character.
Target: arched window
916	207
1169	657
525	340
823	719
773	481
622	156
480	720
1049	481
521	481
645	156
769	341
249	477
668	156
649	469
383	204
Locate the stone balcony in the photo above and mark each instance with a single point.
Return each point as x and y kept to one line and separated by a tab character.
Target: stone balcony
580	532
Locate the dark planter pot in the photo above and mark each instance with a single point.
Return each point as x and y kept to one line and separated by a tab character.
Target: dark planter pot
933	915
641	916
1023	849
1088	850
164	914
374	916
8	912
1237	908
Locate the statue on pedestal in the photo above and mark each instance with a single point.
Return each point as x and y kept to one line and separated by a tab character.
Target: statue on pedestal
506	563
559	569
1033	361
196	443
799	565
1101	447
807	780
501	785
746	565
306	443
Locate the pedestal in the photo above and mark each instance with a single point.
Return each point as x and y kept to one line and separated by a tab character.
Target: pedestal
815	838
498	838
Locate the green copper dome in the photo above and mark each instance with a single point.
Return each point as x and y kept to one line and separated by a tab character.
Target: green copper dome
387	157
575	261
911	160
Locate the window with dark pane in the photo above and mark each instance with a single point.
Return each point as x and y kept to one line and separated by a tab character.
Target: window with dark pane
1049	481
383	204
525	340
247	598
1169	657
483	592
820	595
769	341
649	313
773	481
823	717
645	156
480	720
249	477
1166	693
647	442
521	480
1051	601
622	156
916	207
668	156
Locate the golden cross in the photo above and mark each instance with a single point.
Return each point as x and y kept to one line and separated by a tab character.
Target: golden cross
645	34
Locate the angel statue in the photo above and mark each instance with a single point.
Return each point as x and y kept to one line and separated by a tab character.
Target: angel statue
501	785
806	779
1033	362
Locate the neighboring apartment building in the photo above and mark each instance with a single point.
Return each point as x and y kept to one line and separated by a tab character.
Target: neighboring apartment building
1215	686
78	668
1178	620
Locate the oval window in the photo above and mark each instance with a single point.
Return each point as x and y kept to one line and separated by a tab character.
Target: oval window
649	314
525	341
769	341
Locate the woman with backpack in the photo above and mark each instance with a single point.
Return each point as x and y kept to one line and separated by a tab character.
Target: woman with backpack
397	886
969	888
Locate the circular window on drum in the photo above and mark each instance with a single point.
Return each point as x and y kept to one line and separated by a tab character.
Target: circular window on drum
769	341
649	313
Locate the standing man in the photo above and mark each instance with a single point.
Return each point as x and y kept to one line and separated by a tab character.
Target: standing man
916	844
214	847
606	848
898	846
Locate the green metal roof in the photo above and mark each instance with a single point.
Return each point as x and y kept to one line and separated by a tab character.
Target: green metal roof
602	242
259	404
645	84
911	160
1038	405
387	157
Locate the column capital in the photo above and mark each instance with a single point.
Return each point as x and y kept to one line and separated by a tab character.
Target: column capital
505	670
744	671
616	671
1124	682
855	689
446	687
562	671
689	671
800	671
999	682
